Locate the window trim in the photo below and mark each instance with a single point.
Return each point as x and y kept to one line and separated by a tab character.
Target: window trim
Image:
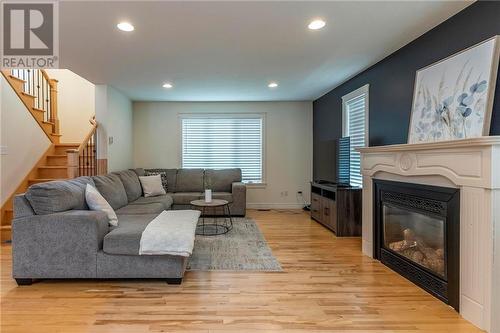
225	115
346	98
364	90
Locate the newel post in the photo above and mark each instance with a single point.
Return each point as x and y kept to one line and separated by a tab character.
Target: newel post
73	157
53	105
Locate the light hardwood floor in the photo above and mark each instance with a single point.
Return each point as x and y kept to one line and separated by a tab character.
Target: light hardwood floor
327	285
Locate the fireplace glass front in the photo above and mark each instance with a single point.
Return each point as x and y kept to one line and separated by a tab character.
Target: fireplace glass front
415	236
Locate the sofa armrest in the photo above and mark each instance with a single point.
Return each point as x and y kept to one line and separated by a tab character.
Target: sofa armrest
60	245
239	205
238	187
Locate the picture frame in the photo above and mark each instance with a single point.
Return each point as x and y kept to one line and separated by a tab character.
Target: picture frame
453	97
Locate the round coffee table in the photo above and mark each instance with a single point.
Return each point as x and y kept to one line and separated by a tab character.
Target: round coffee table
219	225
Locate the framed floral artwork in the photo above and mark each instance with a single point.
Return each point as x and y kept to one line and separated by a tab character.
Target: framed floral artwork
453	98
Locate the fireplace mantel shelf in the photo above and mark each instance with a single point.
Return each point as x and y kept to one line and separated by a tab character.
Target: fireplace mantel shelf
464	143
473	166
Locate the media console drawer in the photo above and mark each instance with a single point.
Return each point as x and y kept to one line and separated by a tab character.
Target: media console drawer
315	206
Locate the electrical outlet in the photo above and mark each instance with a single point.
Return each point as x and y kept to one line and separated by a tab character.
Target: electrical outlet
110	139
3	150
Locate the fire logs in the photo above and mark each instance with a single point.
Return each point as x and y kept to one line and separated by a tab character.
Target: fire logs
415	249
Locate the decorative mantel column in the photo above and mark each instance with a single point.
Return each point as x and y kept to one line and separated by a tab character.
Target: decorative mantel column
473	166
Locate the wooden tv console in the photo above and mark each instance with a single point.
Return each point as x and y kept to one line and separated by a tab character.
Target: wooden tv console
337	208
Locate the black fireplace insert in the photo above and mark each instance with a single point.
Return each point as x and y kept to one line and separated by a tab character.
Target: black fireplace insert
416	233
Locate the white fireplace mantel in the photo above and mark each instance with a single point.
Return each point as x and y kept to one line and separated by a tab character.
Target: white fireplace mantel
473	166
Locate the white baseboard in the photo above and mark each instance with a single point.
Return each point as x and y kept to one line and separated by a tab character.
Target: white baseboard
254	205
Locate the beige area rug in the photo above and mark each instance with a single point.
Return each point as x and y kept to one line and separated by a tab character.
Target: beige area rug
241	249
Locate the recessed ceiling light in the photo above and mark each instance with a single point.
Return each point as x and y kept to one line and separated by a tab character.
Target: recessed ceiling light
272	85
125	26
316	24
168	85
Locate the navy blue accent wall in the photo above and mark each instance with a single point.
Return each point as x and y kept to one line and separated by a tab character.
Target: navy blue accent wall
391	80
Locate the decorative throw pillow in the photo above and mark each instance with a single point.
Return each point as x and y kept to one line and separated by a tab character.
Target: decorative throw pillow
152	186
163	176
96	201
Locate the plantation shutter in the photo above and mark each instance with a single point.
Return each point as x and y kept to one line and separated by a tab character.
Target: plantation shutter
224	142
355	111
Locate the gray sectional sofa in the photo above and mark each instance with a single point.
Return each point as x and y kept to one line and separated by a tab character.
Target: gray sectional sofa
55	235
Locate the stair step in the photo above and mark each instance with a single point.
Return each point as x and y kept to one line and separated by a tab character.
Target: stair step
17	82
38	110
27	94
30	99
5	233
43	180
17	79
7	217
60	148
47	126
57	160
52	171
38	114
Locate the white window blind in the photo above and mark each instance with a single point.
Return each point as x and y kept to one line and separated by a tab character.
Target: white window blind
224	142
355	106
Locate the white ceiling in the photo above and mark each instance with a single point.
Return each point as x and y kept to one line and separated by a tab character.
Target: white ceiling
230	51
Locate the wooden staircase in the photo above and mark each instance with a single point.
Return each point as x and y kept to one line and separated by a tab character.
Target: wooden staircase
38	92
61	160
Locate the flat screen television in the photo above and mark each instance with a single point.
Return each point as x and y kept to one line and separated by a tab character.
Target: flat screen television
331	161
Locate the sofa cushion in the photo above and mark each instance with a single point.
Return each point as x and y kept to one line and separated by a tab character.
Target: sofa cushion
185	198
189	180
147	208
171	177
112	189
228	196
131	184
222	180
139	171
58	196
126	238
166	200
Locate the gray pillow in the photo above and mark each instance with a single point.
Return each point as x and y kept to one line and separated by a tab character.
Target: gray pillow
111	188
58	196
131	184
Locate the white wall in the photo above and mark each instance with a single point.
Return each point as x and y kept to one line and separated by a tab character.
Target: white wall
76	104
288	160
21	138
114	117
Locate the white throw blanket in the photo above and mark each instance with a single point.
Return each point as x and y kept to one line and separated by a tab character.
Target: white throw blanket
172	232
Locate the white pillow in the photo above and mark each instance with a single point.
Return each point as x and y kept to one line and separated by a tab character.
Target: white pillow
152	186
96	201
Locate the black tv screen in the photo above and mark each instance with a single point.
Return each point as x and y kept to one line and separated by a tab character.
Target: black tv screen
331	161
325	169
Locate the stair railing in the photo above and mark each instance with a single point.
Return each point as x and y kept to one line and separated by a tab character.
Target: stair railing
83	161
39	85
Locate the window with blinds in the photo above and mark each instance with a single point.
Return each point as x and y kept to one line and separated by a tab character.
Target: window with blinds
226	141
355	126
